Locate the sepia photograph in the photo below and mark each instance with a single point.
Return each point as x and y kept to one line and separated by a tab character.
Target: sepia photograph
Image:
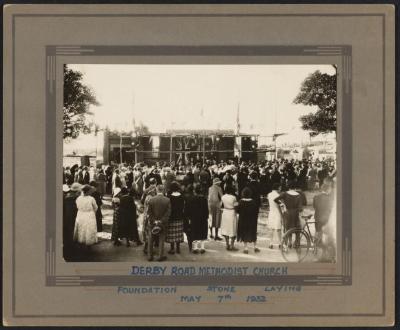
199	163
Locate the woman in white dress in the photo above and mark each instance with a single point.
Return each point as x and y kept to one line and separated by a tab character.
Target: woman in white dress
229	220
85	231
274	216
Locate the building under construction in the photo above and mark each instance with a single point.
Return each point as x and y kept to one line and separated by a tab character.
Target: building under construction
180	146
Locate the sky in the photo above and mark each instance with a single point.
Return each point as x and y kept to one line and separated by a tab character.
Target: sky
175	96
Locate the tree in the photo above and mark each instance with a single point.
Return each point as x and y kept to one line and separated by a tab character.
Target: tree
318	89
77	100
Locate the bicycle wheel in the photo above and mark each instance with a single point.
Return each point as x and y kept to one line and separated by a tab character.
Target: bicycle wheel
295	245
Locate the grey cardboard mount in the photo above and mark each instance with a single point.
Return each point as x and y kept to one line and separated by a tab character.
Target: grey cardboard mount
39	288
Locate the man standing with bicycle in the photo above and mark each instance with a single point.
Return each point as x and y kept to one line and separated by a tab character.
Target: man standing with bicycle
322	204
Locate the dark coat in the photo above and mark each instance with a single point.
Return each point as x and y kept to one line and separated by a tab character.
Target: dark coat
177	207
129	179
205	178
302	178
196	211
115	233
242	181
276	177
99	216
118	182
101	181
188	179
86	177
256	192
109	173
294	204
128	218
265	182
69	216
247	224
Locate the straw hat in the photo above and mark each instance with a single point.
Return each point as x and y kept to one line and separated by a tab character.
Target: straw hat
76	186
216	181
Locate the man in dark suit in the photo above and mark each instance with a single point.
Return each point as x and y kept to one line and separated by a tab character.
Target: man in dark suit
159	209
86	176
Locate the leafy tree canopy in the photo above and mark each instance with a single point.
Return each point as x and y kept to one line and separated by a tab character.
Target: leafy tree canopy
77	100
318	89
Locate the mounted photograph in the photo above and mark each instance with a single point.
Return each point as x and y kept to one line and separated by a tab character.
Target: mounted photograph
200	163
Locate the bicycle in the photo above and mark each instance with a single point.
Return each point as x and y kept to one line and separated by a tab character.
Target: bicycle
304	242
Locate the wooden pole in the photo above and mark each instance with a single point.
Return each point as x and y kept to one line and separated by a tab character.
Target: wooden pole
170	149
241	148
120	148
204	148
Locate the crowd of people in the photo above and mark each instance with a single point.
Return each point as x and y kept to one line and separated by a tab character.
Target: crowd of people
200	201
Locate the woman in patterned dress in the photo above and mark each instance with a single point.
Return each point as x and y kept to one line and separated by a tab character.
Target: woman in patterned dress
274	216
116	216
175	222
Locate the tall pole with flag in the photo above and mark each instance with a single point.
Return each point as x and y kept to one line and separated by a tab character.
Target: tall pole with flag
238	120
134	125
238	130
133	112
204	135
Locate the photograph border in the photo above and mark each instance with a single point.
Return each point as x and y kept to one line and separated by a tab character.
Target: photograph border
342	52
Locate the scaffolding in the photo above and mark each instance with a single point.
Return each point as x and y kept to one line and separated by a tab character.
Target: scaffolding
198	144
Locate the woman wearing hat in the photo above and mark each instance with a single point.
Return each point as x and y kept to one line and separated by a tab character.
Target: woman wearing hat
175	222
247	224
85	231
214	206
128	228
229	218
274	216
196	216
115	201
70	211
